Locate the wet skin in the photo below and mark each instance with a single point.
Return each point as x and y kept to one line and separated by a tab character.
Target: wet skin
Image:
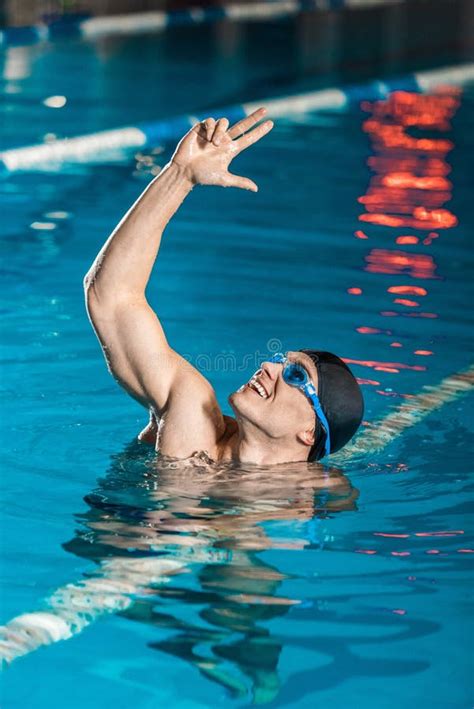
185	416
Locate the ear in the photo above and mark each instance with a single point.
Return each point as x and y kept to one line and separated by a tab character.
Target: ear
306	437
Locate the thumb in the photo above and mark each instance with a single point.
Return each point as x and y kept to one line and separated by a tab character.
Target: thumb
242	183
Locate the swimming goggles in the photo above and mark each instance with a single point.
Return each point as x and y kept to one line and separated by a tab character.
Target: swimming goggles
295	375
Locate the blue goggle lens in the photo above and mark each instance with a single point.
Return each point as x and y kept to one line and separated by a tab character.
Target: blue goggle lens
294	375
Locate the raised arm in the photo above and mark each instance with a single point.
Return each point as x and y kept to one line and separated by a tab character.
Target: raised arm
130	333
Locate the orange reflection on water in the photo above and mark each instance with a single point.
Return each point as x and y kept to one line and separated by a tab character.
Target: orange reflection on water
429	239
394	536
399	262
407	290
424	165
410	185
372	331
430	316
436	219
407	240
392	366
406	302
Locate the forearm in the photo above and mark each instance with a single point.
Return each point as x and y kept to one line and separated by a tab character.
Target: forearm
124	264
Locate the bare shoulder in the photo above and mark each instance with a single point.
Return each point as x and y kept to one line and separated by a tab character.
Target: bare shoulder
192	419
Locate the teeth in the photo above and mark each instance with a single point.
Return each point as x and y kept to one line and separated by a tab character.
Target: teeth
258	388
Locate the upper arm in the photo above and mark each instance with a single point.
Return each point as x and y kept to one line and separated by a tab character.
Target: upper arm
138	354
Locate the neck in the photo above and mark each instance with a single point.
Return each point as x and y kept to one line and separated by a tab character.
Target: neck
253	447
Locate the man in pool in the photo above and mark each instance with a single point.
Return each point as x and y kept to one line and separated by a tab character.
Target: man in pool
297	407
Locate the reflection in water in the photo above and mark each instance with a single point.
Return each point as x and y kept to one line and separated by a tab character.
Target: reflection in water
400	263
409	187
213	520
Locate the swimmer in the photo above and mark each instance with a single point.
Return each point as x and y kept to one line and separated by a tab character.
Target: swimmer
299	406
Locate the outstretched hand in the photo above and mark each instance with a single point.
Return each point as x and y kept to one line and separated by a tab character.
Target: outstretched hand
206	152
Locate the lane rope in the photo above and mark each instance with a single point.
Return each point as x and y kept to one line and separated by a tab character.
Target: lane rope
81	25
99	146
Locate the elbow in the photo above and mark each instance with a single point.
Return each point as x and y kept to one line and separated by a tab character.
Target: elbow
87	281
90	294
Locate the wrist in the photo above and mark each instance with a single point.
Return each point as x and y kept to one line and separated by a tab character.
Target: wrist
182	172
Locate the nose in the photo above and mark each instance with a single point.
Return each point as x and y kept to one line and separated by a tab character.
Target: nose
272	369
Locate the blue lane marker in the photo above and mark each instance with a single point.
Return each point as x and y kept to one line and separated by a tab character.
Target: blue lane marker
165	130
365	92
158	131
402	83
68	25
233	113
15	36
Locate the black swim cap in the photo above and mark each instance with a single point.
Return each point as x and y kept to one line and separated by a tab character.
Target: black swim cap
341	400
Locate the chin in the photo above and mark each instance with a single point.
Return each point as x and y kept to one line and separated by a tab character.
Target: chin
241	403
234	400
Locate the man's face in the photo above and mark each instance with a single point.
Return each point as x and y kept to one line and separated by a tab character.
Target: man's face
273	406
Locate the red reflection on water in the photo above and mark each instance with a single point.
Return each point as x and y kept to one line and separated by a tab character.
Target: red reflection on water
421	315
354	291
370	382
409	180
405	535
443	533
383	164
408	303
400	553
424	219
409	189
432	235
407	240
393	366
399	611
365	551
407	290
409	186
400	262
371	331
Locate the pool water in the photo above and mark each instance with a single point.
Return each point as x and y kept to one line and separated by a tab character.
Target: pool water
348	585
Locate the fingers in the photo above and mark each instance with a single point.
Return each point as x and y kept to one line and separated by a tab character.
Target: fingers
253	136
242	183
209	125
246	123
220	131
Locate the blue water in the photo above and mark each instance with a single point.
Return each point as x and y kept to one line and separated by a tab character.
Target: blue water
296	600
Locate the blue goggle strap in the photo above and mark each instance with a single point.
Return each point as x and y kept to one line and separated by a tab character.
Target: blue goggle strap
310	391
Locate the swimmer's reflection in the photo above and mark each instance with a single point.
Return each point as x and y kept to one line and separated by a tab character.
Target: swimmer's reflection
212	518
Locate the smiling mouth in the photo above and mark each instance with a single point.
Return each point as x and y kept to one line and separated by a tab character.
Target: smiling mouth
258	388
